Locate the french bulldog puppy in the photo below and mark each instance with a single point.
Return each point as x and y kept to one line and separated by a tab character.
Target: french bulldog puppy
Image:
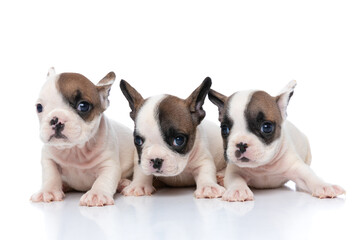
83	150
262	148
173	143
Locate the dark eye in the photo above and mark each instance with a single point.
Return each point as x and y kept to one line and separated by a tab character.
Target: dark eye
179	141
267	127
138	140
225	130
83	107
39	108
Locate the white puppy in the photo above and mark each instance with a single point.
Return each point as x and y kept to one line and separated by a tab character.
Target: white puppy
262	148
172	144
83	150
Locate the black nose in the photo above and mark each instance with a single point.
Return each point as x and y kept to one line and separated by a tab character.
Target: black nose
242	147
57	126
157	163
54	121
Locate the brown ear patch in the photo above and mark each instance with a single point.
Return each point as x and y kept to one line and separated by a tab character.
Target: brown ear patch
175	120
75	89
263	108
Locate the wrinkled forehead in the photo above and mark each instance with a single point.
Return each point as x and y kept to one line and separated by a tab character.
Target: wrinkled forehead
74	86
164	113
254	105
174	114
236	105
49	93
145	121
71	87
262	105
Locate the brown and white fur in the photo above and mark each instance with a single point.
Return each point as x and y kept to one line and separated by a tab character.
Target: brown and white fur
173	143
83	150
262	148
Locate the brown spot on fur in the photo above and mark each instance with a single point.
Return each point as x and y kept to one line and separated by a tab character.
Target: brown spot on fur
175	119
261	108
76	88
179	118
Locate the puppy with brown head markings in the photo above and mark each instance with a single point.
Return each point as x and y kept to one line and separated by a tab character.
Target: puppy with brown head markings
83	150
173	143
262	148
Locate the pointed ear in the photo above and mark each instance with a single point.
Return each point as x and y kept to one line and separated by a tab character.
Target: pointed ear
51	72
196	100
104	87
283	98
219	100
134	98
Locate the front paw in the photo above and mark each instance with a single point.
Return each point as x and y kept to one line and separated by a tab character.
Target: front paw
209	191
327	191
123	184
138	189
94	198
48	196
238	195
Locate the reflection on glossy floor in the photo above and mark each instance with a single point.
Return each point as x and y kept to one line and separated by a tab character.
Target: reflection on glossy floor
176	214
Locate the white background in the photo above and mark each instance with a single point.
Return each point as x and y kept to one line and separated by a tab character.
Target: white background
170	47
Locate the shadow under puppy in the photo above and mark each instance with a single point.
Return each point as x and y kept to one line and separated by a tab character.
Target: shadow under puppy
262	148
173	143
83	150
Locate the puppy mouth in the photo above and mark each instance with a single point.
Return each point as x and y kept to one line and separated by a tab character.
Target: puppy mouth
58	136
158	173
244	159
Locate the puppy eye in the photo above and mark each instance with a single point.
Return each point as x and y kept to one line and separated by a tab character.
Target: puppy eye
39	108
267	127
179	141
83	107
225	130
138	140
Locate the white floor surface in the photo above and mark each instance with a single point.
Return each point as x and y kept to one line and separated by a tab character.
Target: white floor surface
175	214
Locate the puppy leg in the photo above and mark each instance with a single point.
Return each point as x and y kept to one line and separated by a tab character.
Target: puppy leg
104	187
51	183
307	180
123	184
220	177
205	178
141	184
237	188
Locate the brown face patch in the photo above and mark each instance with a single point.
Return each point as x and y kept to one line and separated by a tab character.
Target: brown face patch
77	91
262	114
177	124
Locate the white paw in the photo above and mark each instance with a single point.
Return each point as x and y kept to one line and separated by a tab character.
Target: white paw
48	196
327	191
95	198
209	191
238	195
123	184
136	189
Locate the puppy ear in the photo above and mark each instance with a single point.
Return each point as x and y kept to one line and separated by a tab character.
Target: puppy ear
134	98
51	72
104	87
196	100
219	100
283	98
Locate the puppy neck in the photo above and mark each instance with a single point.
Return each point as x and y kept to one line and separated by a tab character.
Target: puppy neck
85	155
